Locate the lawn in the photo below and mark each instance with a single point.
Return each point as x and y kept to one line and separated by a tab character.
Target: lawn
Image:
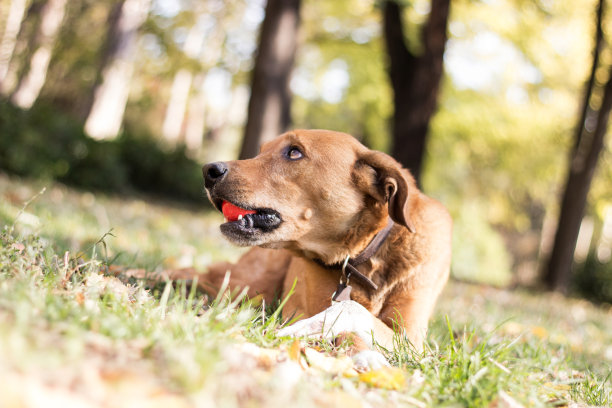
73	335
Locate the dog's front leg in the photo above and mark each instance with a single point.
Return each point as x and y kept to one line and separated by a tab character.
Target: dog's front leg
347	317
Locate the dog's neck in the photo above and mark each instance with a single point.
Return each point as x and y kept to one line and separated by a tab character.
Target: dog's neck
349	266
359	246
334	250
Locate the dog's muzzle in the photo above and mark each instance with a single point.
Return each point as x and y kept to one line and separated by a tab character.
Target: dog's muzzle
213	173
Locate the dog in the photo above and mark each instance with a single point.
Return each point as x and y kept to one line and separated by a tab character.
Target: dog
310	203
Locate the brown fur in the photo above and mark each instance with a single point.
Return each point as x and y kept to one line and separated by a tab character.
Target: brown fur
332	202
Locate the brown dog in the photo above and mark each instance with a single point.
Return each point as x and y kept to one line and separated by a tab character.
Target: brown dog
309	200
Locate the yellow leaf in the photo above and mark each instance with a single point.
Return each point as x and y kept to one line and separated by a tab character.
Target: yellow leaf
256	300
332	365
350	373
540	332
559	387
390	378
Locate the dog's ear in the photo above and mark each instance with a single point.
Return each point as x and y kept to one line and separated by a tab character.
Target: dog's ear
391	184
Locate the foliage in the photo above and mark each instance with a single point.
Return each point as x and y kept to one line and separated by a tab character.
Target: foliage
45	143
506	114
593	279
479	252
349	43
514	71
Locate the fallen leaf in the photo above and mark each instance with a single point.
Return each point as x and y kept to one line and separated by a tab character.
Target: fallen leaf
539	332
18	246
350	373
560	387
294	351
390	378
266	358
334	365
256	300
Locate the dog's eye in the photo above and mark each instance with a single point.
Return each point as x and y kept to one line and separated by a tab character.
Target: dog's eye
294	153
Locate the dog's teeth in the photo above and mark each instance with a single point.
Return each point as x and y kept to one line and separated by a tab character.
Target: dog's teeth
226	220
239	217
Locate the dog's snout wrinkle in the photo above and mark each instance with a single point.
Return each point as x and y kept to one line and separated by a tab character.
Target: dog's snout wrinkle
214	172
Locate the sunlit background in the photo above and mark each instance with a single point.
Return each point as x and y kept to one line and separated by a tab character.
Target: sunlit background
498	147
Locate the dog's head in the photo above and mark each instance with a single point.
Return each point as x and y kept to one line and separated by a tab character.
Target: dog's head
313	191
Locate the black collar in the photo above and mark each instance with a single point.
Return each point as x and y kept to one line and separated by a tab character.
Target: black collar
348	267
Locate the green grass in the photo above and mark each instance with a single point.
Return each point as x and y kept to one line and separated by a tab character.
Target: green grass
70	335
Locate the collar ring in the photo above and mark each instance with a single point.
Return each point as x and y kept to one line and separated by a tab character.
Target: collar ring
344	273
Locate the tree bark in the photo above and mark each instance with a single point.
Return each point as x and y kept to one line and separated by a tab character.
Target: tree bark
583	160
269	105
415	80
110	95
30	84
585	110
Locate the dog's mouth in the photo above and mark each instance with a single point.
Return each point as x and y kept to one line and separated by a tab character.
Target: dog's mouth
245	221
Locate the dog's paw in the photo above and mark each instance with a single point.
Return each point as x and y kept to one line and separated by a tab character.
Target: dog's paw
302	328
367	360
346	316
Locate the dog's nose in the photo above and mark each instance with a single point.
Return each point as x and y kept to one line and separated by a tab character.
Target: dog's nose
213	172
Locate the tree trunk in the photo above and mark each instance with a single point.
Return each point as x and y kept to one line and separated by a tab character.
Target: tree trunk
415	80
29	86
582	168
181	85
269	106
9	39
585	111
26	42
110	95
584	156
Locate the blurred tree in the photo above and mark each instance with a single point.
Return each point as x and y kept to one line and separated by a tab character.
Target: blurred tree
496	146
588	143
498	140
30	84
415	80
9	38
21	54
110	95
340	81
181	85
270	103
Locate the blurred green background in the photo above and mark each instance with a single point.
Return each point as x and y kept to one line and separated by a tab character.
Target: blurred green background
497	149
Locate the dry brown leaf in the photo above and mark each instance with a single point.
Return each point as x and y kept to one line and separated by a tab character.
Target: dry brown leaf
295	351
